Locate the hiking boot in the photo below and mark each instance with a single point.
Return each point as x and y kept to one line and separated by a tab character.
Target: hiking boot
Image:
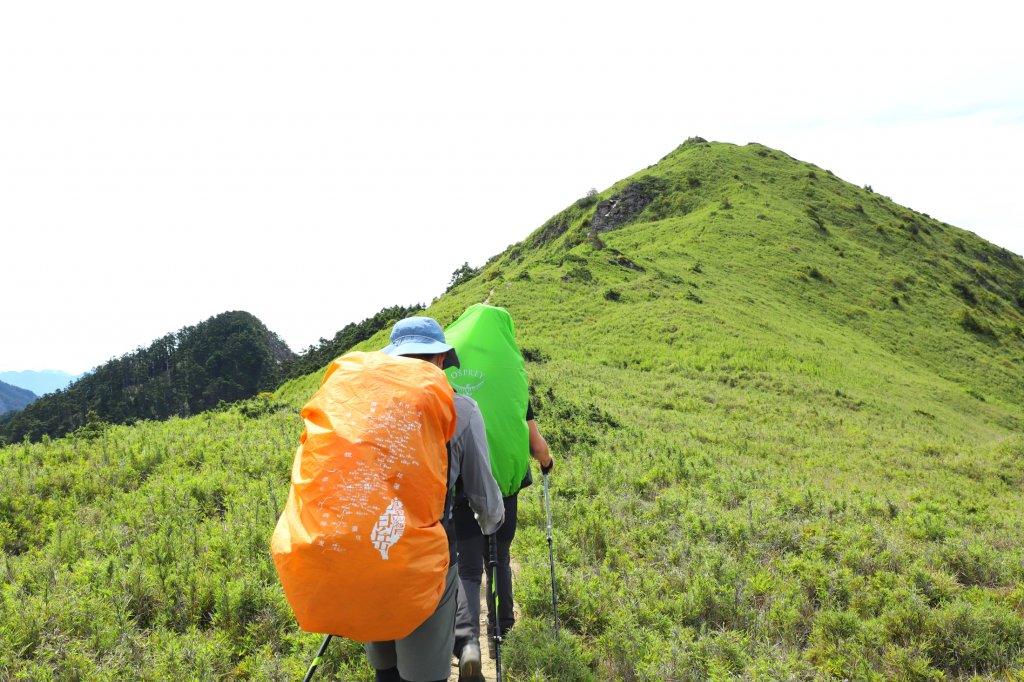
470	668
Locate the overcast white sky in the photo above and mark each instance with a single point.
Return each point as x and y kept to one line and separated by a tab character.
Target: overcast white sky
314	162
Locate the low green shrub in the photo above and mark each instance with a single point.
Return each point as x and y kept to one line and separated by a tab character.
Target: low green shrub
978	636
580	274
532	653
965	293
974	325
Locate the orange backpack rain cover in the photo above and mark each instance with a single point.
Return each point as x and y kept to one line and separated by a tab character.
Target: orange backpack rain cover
359	547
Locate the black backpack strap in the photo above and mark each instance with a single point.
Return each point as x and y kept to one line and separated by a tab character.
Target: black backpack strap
447	520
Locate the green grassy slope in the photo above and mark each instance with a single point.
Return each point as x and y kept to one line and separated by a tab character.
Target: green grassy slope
803	440
787	419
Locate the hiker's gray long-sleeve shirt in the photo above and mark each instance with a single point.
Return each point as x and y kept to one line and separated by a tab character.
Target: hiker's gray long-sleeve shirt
471	460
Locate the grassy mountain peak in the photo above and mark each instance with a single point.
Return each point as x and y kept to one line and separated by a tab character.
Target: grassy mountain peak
753	239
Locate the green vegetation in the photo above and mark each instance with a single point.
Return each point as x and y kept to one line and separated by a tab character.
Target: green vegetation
316	357
767	469
463	273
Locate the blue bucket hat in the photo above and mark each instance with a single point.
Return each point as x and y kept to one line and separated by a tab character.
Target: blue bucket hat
420	336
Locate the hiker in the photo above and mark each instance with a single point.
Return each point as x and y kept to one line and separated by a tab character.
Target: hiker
365	547
492	372
426	653
474	555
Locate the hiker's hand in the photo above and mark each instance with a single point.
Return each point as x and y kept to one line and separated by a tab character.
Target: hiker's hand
539	448
546	469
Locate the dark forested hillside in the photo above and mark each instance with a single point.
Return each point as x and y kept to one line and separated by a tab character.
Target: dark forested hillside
228	357
14	398
317	357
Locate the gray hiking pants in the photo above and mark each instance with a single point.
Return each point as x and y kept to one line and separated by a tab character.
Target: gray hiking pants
426	653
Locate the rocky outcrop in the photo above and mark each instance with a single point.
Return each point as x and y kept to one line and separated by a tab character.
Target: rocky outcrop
554	228
623	261
622	207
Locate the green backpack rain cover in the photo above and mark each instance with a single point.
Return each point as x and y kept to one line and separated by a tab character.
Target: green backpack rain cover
494	375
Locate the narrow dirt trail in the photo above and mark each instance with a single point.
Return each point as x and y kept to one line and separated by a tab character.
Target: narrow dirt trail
489	669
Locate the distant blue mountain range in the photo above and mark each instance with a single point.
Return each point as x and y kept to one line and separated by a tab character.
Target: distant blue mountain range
14	397
40	383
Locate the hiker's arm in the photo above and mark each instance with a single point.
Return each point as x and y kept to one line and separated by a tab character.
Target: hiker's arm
539	448
478	482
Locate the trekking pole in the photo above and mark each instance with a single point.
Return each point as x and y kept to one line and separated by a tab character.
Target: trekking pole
493	542
318	659
551	553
